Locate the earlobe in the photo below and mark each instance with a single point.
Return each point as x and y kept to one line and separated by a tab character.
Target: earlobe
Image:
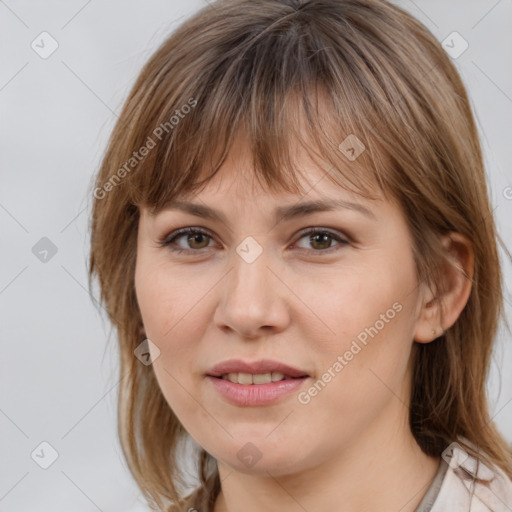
440	311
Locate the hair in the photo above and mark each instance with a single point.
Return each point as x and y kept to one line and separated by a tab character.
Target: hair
363	68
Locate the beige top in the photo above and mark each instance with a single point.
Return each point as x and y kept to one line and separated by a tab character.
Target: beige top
464	485
433	491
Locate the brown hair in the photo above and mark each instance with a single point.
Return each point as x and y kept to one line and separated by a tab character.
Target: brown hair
246	66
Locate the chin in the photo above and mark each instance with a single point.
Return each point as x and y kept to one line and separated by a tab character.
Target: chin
260	458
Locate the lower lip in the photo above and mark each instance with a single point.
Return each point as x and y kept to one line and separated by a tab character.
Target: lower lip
256	394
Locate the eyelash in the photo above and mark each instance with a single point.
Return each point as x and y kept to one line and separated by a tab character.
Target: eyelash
166	242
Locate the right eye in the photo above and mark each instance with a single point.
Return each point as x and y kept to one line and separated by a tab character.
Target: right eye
190	235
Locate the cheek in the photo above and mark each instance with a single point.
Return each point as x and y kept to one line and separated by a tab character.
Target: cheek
166	300
365	371
173	311
153	300
167	307
372	312
364	303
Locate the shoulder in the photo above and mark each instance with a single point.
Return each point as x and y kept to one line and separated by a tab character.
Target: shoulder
469	484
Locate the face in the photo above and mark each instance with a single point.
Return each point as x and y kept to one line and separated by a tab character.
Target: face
332	294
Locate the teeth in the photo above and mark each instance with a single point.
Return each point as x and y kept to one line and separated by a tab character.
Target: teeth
248	378
244	378
262	378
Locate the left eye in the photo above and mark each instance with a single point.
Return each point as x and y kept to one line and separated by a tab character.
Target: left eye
321	238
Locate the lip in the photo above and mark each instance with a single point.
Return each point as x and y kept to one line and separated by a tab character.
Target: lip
247	395
261	366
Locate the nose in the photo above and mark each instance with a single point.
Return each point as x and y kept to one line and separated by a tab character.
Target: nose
253	299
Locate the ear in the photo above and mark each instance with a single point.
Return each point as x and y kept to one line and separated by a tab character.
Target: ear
439	311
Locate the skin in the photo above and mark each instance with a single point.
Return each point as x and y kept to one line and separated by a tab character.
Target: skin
351	445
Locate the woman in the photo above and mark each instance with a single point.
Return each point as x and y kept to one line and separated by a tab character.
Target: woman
325	345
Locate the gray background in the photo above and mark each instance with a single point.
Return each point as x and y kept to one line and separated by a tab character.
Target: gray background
59	374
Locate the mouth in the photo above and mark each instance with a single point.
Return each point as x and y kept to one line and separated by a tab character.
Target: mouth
257	383
257	378
263	371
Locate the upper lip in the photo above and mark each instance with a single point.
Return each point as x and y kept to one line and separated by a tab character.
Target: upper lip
255	367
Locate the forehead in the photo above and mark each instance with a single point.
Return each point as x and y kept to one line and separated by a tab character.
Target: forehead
237	182
235	191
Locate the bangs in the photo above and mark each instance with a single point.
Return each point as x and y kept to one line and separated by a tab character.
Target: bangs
279	89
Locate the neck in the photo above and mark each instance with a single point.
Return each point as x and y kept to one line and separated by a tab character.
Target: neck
383	469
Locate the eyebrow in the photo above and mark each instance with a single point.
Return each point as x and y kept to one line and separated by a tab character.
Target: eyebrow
281	213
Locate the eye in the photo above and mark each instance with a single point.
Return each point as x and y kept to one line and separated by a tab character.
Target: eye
196	237
321	240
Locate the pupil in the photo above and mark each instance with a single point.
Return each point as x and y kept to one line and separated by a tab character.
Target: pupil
321	236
